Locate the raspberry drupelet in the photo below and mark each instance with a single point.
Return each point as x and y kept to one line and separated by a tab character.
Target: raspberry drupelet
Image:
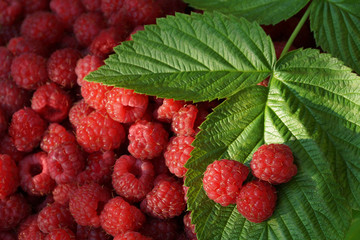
29	229
13	209
189	227
95	94
67	11
56	135
92	5
88	26
63	192
168	108
10	11
7	147
78	111
20	45
141	12
183	122
9	176
86	65
60	233
54	216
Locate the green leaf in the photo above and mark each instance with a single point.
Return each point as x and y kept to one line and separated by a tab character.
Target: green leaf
196	58
354	231
312	105
336	27
263	11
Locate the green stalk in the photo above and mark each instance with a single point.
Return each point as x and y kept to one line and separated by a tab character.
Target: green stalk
295	32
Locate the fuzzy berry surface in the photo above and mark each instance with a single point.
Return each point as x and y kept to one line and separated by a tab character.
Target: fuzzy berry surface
60	234
56	134
95	94
257	201
273	163
141	12
20	45
29	229
12	97
9	176
78	111
63	192
131	235
13	209
110	6
168	108
54	216
86	65
67	11
183	122
223	180
10	11
87	26
7	147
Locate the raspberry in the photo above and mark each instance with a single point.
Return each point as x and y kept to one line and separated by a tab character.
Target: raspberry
51	102
78	111
7	147
129	171
10	11
86	65
49	199
177	153
29	71
67	11
26	129
31	6
169	7
104	43
160	229
63	192
98	132
29	229
63	234
166	199
13	209
61	67
125	106
223	180
20	45
130	235
118	217
273	163
54	216
12	98
160	166
91	5
110	6
88	26
183	122
98	168
135	30
95	94
56	135
3	123
119	19
256	201
87	203
142	12
147	139
8	32
7	236
6	58
69	41
189	227
9	176
91	233
43	27
166	111
65	162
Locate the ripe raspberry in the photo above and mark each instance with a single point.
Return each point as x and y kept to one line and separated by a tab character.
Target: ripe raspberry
31	6
63	192
166	199
78	111
95	94
3	123
98	132
6	58
183	122
177	153
69	41
29	229
189	227
63	234
135	30
51	102
118	216
26	129
56	135
147	139
86	65
13	209
129	171
54	216
43	27
130	235
9	176
12	98
256	201
91	233
142	12
88	26
223	180
160	166
20	45
125	106
159	229
87	203
65	162
49	199
110	6
91	5
106	40
29	71
67	11
7	235
10	11
166	111
119	19
273	163
61	67
7	147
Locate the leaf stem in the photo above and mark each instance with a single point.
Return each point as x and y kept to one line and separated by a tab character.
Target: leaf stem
296	32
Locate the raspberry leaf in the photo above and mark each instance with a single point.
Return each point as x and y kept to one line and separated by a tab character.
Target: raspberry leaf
262	11
336	27
178	59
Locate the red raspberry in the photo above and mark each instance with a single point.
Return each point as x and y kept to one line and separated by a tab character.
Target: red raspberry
91	233
147	139
6	58
29	229
273	163
88	26
160	166
98	168
56	135
10	11
8	32
26	129
119	19
166	111
104	43
69	41
142	12
130	235
31	6
67	11
91	5
7	236
78	111
9	176
256	201
110	6
129	171
54	216
160	229
183	122
125	106
169	7
20	45
95	94
3	123
29	71
63	234
223	180
12	98
65	162
135	30
98	132
63	192
166	199
49	199
51	102
189	227
43	27
13	209
87	203
118	216
61	67
86	65
7	147
177	153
